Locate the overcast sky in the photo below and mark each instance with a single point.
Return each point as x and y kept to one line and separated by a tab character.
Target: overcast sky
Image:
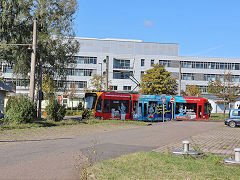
205	28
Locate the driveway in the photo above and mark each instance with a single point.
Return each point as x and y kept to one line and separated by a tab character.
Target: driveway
56	158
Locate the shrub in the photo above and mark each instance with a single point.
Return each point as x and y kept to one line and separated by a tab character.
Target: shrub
55	111
20	109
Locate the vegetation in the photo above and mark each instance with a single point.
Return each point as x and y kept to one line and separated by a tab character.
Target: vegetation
20	110
158	81
98	82
191	90
48	86
224	89
152	165
55	111
54	29
218	116
50	123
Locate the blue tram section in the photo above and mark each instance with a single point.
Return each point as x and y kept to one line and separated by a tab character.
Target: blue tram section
151	108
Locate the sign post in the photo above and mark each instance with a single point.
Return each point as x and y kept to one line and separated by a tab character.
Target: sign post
172	100
163	99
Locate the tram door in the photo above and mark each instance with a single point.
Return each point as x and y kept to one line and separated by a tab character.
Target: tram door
200	112
143	110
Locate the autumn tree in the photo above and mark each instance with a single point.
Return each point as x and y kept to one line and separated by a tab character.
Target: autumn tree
158	81
71	93
98	82
225	89
191	90
48	86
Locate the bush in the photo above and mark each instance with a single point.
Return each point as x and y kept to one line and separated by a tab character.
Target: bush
20	109
55	111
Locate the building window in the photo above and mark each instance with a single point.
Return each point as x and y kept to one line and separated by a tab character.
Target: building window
152	62
204	89
127	88
85	60
121	75
121	64
165	63
187	76
142	73
70	84
113	88
210	65
142	62
80	72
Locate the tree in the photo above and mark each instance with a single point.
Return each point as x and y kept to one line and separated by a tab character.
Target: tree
54	29
224	89
48	86
71	93
158	81
98	82
191	90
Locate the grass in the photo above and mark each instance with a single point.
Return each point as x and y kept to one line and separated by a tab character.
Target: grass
218	116
152	165
47	123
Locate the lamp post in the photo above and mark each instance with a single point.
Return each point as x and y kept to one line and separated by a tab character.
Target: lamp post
101	75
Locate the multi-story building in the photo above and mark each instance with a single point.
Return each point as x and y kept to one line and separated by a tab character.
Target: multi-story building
131	58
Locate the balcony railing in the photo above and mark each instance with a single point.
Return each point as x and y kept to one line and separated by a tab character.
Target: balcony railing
123	67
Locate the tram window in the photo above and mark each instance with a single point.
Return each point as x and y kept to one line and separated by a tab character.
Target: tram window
120	105
145	109
140	108
200	112
186	108
135	107
152	107
106	106
206	108
99	105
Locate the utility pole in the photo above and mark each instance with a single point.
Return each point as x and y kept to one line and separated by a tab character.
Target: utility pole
101	75
40	94
179	79
107	68
33	60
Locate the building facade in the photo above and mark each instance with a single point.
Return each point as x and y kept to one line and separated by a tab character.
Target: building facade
129	60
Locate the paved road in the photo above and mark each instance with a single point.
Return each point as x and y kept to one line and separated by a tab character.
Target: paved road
55	159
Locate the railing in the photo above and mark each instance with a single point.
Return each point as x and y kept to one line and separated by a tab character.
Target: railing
122	67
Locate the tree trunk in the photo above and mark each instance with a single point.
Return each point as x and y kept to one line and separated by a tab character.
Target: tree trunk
224	109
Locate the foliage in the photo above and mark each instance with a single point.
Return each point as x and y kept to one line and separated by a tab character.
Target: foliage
48	86
155	165
224	89
54	29
158	81
55	111
20	110
191	90
98	82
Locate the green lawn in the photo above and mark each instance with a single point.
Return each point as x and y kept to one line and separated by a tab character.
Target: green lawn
152	165
45	123
218	116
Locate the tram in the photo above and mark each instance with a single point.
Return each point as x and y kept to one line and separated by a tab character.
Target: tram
125	106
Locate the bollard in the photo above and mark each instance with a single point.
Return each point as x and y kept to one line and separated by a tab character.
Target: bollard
237	154
186	146
236	160
186	149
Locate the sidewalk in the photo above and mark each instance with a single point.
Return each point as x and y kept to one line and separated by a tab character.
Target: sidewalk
221	141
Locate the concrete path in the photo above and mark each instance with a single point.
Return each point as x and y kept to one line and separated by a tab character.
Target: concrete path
55	159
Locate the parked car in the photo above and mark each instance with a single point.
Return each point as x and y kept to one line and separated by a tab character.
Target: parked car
234	118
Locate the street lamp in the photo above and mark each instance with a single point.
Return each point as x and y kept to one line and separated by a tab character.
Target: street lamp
101	75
